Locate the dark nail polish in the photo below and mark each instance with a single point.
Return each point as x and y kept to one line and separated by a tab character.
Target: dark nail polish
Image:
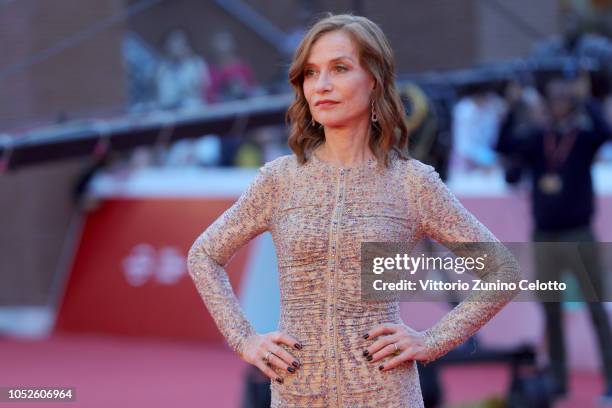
296	364
365	352
291	369
365	336
369	358
279	380
297	346
380	367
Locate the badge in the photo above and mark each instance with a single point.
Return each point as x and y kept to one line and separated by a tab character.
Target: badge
550	183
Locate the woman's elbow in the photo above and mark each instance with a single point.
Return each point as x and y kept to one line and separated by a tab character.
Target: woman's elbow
196	257
200	256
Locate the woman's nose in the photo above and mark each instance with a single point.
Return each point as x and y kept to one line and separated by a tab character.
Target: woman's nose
323	83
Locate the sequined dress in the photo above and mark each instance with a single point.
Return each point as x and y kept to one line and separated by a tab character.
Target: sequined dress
318	215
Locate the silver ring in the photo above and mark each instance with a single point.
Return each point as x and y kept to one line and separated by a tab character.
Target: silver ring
267	356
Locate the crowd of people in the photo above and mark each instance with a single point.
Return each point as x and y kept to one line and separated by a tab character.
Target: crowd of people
177	77
459	132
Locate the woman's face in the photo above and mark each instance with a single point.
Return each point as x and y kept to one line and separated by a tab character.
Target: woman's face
337	88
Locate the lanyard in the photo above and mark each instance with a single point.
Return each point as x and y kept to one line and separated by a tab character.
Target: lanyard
556	153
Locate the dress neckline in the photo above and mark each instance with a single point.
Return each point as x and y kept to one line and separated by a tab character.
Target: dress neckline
370	162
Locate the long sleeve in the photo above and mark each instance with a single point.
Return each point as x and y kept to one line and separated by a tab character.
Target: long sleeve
446	220
249	216
518	144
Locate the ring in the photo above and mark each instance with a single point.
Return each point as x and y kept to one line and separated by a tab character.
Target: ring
396	348
267	356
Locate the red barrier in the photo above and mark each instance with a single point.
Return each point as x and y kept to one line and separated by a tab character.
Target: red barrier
129	275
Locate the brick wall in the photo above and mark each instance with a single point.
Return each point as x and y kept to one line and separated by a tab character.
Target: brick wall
87	76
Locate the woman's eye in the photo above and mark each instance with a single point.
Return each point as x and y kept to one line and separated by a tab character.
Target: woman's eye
308	72
340	68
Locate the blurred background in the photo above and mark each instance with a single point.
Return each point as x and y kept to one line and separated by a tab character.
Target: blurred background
128	126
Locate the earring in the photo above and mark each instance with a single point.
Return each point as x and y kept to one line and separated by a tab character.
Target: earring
314	124
374	116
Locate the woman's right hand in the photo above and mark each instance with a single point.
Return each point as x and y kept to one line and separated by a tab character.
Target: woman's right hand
264	352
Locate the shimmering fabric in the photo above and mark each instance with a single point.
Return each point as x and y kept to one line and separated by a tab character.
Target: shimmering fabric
318	215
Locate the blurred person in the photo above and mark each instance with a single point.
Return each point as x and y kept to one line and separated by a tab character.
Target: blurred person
429	141
142	157
249	155
231	77
348	181
140	63
181	74
559	156
203	151
525	110
475	128
181	153
272	141
207	150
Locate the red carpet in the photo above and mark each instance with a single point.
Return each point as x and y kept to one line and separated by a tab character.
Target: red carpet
119	372
133	372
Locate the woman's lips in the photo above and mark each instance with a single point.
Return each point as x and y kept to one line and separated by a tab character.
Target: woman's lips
326	104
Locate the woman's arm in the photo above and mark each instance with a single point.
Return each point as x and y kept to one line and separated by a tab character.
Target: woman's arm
249	216
446	220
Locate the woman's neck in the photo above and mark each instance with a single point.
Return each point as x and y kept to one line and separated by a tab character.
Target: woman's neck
345	147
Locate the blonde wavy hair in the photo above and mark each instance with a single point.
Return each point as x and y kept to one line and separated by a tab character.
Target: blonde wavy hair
390	131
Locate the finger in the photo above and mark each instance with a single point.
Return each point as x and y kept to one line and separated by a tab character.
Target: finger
278	362
395	361
269	372
387	350
381	343
284	338
284	355
384	328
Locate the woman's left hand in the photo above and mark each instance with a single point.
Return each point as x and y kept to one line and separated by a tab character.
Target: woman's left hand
405	343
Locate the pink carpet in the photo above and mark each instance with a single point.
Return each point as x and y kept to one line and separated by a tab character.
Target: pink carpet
134	372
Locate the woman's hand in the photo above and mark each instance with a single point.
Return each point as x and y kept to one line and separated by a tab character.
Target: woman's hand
264	352
400	340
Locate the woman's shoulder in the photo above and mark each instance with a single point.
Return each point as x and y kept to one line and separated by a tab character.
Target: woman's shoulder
280	166
281	163
415	169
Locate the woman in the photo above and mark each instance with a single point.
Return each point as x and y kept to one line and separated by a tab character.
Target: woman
181	74
347	182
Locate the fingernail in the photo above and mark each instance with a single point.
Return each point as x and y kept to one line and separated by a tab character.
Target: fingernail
381	367
279	380
365	336
296	364
297	346
369	358
366	352
291	369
